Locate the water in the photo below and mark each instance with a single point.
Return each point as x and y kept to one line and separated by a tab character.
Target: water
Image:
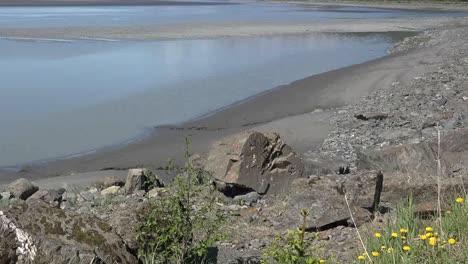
63	98
170	14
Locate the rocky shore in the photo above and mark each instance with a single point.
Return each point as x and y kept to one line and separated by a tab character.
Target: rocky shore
407	134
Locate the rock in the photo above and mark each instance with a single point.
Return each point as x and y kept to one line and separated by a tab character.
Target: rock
399	133
110	190
5	195
457	120
324	197
22	188
371	116
136	180
231	189
49	195
156	192
39	233
260	161
109	181
408	158
249	198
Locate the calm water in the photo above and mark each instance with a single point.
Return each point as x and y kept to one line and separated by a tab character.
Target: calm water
62	98
231	12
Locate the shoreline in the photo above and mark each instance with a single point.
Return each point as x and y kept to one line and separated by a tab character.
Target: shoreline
305	107
220	30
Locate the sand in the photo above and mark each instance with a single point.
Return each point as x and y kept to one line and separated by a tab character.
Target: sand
220	30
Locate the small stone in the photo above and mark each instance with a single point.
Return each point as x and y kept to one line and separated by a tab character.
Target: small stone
155	192
249	198
110	190
5	195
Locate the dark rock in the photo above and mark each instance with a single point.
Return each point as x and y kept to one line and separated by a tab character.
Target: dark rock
261	161
371	116
231	189
22	189
49	195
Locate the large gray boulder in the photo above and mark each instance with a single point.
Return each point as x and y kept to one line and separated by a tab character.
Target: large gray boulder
22	189
136	181
39	233
261	161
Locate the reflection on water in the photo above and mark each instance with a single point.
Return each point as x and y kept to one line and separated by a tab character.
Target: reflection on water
64	98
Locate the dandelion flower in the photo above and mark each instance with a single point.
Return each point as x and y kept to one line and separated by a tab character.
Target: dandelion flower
322	261
406	248
429	229
452	241
361	257
432	241
429	234
402	230
459	200
423	237
403	237
390	250
375	253
378	235
383	247
394	234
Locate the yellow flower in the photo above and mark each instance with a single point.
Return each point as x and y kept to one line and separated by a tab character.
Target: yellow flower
436	234
459	200
428	234
394	234
452	241
432	241
402	230
429	229
423	237
403	237
390	250
375	253
449	212
361	257
383	247
322	261
406	248
378	235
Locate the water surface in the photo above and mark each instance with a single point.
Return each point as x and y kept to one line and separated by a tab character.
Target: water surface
171	14
64	98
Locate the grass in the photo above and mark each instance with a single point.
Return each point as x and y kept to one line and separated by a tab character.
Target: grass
411	239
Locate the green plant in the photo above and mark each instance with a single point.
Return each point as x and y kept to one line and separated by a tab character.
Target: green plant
181	225
293	248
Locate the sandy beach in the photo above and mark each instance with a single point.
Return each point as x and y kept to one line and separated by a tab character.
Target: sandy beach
299	111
